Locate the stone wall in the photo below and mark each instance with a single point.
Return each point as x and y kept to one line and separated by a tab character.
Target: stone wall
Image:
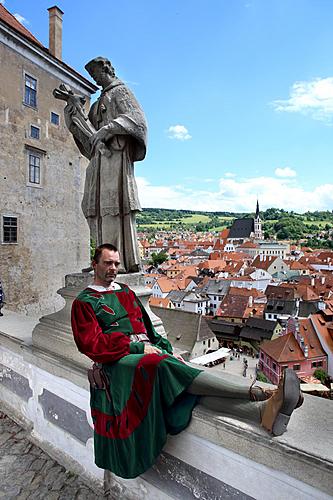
53	237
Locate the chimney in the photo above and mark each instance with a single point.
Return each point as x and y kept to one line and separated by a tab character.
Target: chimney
55	31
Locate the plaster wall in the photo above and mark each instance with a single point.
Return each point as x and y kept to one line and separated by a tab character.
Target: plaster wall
53	237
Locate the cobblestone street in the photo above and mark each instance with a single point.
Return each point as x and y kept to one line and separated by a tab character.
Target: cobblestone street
28	472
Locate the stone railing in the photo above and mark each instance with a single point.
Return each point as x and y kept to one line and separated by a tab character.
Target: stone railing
216	457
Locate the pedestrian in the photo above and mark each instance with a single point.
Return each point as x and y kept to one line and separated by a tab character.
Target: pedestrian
2	299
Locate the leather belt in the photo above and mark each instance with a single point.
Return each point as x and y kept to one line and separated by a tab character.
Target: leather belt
139	337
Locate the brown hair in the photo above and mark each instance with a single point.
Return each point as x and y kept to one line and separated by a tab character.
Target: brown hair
99	250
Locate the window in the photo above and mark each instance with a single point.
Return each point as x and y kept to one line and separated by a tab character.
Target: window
34	132
54	118
34	168
284	367
296	368
9	229
274	366
30	91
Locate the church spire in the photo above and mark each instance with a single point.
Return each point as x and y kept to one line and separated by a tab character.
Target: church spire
258	234
257	210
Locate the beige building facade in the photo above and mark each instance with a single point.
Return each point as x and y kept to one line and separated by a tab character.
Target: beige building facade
43	232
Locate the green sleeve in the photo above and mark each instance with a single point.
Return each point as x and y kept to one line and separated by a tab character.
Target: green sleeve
154	337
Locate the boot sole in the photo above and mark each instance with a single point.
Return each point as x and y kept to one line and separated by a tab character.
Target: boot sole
291	393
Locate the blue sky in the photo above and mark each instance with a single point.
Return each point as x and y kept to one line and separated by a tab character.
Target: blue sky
238	94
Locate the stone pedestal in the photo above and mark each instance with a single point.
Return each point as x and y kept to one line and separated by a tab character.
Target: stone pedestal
53	333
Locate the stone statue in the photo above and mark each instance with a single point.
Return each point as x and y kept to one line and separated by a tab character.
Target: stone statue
112	137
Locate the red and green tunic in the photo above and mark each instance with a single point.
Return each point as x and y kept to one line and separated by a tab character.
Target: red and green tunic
148	391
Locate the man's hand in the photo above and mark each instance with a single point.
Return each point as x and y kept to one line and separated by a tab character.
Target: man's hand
150	349
178	356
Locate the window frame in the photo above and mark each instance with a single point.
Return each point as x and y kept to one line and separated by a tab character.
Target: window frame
8	216
54	114
37	153
34	168
30	132
28	102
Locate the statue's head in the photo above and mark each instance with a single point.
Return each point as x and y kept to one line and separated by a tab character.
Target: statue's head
100	69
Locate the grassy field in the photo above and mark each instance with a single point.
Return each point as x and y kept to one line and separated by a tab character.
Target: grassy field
190	220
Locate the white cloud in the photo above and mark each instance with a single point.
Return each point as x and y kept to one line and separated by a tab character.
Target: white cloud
239	194
21	19
285	172
229	174
313	98
178	132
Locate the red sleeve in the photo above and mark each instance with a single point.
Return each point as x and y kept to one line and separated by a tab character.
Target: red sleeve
91	341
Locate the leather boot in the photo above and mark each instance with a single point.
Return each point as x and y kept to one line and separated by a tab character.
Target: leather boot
279	407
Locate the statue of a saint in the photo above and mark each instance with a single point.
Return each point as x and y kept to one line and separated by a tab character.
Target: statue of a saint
112	137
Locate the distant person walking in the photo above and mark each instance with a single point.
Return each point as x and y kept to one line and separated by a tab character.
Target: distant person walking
2	298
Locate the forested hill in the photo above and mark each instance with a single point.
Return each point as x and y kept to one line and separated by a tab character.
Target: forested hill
314	227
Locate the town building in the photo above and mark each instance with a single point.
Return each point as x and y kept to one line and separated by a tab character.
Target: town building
271	264
188	333
246	228
299	349
44	235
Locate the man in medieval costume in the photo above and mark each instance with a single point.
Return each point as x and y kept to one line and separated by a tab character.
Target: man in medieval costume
113	139
141	391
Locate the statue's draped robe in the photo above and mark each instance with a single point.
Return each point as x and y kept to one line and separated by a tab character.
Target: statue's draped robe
110	198
148	391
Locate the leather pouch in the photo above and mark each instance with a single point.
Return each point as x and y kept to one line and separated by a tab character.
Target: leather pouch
98	379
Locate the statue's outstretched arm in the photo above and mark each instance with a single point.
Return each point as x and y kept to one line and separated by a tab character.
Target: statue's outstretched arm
76	119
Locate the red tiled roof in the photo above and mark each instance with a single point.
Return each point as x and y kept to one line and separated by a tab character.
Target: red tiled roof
248	244
224	234
260	262
12	22
166	284
286	348
159	302
326	256
283	349
233	306
246	292
325	329
233	267
232	256
212	264
311	339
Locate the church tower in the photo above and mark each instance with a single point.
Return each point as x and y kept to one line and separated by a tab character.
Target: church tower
258	234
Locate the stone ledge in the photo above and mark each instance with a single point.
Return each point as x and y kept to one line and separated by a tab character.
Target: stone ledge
305	452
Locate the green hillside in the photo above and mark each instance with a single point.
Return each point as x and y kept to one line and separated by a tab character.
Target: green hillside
313	228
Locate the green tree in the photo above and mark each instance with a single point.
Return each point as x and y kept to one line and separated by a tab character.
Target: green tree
262	378
320	374
158	258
